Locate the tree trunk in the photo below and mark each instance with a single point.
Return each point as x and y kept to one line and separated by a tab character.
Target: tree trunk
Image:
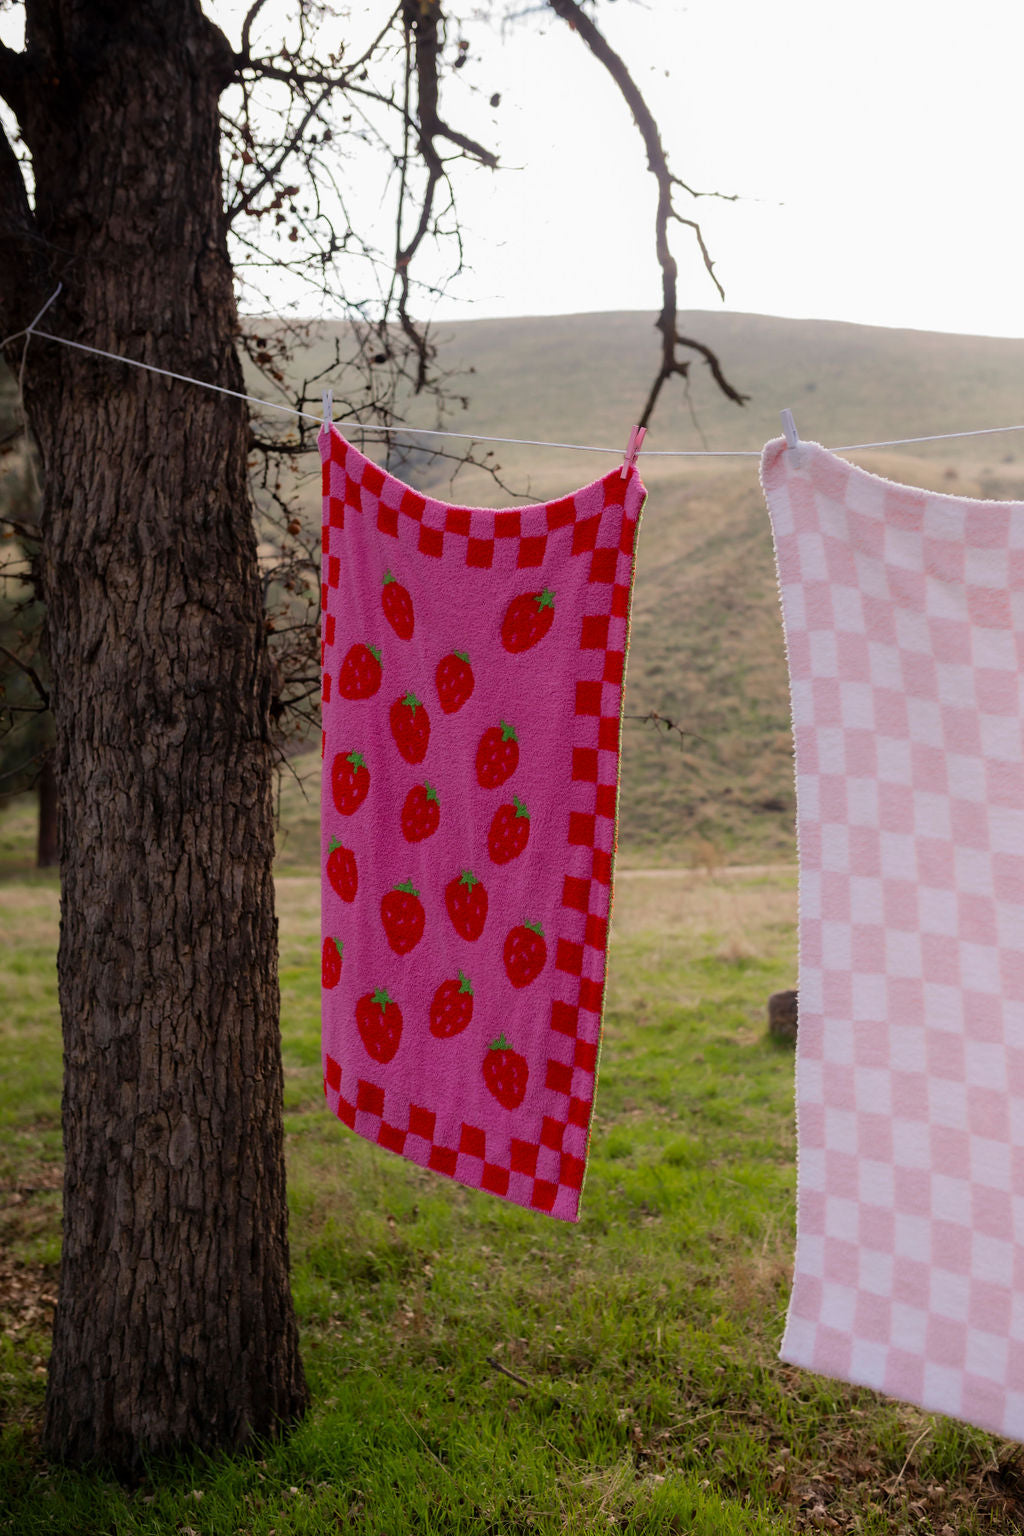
47	849
174	1324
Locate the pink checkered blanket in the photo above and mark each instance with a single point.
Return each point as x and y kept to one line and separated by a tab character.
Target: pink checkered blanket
904	622
472	693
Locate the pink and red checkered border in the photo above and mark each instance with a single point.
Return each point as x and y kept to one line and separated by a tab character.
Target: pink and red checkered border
546	1175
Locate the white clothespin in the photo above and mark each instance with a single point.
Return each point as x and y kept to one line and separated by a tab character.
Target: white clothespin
328	407
789	430
636	437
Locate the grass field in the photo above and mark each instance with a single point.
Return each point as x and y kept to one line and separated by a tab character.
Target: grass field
479	1369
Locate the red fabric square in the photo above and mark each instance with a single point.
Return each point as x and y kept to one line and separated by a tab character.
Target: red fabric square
333	1074
627	538
329	622
369	1098
581	829
387	520
480	553
325	477
569	958
588	698
604	801
613	666
603	565
615	487
585	1056
507	525
597	933
608	734
584	764
571	1171
346	1112
584	535
563	1018
543	1197
591	993
457	520
494	1179
413	505
559	1077
472	1141
443	1160
531	552
620	602
523	1157
352	495
579	1109
594	632
337	514
602	866
576	893
325	539
323	594
562	513
421	1122
373	479
431	541
551	1133
391	1137
333	570
326	691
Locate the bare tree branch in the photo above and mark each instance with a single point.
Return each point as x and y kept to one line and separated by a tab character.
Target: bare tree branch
657	161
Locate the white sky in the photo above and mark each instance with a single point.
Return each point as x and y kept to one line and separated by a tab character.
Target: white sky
877	148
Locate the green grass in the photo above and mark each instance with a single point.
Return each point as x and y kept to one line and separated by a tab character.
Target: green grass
476	1368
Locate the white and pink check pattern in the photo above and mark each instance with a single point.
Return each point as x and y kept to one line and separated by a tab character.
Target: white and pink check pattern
904	621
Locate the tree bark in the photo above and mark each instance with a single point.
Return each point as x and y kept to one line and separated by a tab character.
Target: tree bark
47	846
174	1325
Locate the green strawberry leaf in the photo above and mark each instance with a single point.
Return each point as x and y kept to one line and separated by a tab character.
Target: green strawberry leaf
381	998
468	878
411	702
374	652
533	927
520	807
501	1044
462	655
333	844
338	945
356	759
432	793
407	886
508	732
465	985
388	577
545	599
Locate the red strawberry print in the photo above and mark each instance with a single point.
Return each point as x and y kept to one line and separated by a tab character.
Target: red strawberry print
350	781
525	954
410	726
360	674
452	1007
497	756
505	1073
527	620
421	813
401	912
342	871
379	1021
510	832
454	681
330	962
466	900
397	605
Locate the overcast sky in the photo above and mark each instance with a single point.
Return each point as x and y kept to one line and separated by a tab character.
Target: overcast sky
876	147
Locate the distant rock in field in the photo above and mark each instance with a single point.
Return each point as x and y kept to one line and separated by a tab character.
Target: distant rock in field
782	1016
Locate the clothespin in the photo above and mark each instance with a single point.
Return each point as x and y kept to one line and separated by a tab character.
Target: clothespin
328	407
636	437
789	430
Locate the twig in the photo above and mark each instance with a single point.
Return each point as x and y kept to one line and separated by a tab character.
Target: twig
531	1386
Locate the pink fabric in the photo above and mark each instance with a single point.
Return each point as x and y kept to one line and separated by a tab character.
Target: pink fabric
472	692
904	620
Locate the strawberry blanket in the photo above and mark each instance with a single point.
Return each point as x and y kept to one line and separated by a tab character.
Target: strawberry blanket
904	619
472	694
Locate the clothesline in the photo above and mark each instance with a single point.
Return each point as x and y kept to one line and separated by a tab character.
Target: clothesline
476	437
